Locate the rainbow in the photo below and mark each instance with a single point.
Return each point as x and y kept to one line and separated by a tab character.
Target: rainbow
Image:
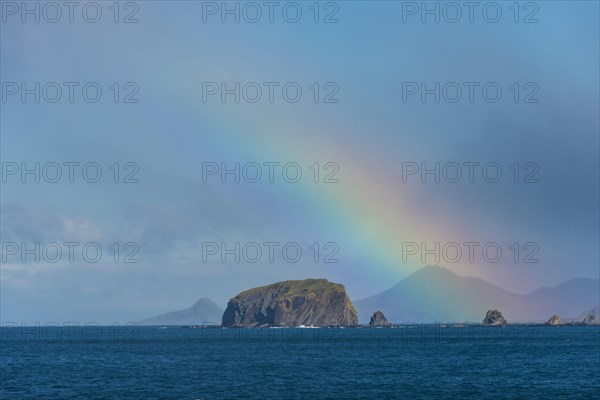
370	207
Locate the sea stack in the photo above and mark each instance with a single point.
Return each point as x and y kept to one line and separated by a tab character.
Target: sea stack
309	302
378	319
494	318
555	320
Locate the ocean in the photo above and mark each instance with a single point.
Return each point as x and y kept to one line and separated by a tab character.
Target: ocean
405	362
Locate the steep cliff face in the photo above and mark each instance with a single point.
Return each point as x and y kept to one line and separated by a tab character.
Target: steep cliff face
316	302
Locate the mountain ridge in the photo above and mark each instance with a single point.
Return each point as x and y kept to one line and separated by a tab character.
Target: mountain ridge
436	294
203	310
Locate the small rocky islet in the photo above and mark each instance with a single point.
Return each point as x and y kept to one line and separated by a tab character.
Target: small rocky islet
378	319
494	318
555	320
590	320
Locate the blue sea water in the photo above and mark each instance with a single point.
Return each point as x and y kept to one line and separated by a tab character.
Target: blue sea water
406	362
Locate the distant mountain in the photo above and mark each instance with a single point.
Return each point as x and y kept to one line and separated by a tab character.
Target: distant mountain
568	298
205	310
435	294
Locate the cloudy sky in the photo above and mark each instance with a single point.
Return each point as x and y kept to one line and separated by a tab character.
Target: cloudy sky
398	124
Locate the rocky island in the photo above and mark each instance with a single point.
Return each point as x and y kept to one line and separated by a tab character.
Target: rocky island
591	317
309	302
494	318
555	320
590	320
378	319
